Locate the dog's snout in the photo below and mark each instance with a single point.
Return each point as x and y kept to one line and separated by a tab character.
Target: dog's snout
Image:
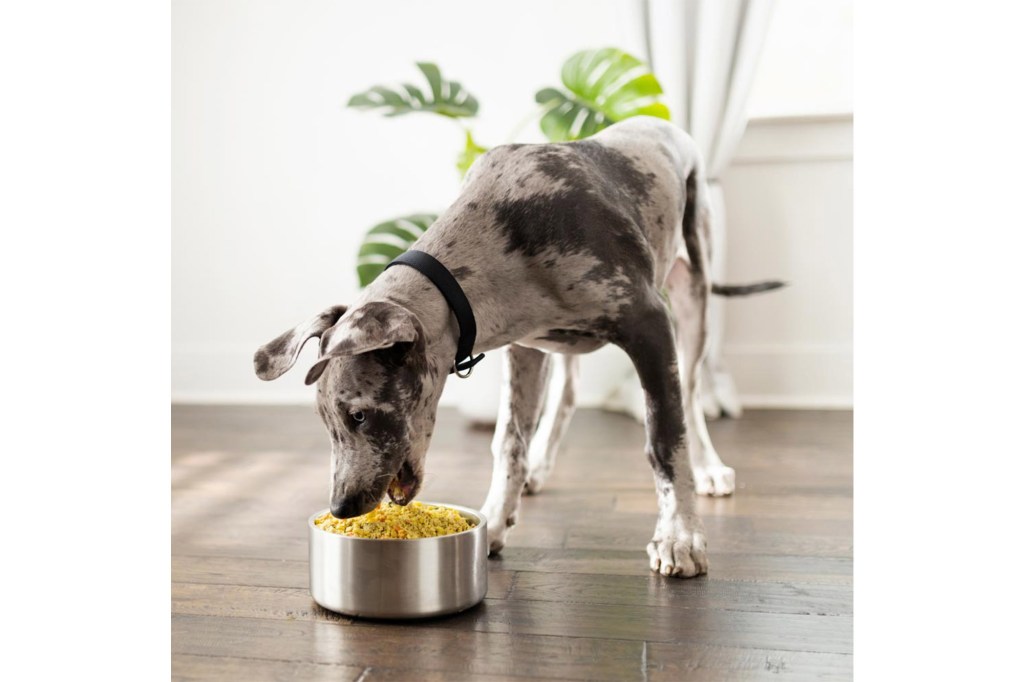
352	505
344	509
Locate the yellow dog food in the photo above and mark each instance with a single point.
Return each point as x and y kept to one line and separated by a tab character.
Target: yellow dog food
389	520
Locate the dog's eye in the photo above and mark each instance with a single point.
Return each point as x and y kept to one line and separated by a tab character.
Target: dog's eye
358	417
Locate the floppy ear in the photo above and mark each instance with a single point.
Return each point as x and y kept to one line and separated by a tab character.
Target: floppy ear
373	326
277	357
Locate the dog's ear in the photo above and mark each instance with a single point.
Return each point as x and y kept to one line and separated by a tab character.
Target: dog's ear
370	327
277	357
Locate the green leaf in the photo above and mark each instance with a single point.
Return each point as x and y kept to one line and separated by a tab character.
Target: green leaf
469	154
386	241
602	87
447	98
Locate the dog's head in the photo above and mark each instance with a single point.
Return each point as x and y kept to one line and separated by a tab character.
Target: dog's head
376	395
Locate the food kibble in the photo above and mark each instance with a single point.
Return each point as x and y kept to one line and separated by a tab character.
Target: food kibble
389	520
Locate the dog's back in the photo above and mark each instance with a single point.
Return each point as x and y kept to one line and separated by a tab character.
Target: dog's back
579	228
618	196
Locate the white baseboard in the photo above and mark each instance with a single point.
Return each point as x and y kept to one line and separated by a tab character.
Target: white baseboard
807	376
796	402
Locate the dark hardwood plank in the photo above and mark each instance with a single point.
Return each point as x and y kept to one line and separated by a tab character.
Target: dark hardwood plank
192	668
243	601
399	674
672	624
750	567
725	535
436	653
705	593
239	571
634	587
620	621
465	652
752	504
670	663
260	601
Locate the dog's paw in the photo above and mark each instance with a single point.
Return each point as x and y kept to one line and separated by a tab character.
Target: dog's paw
496	540
716	481
497	530
535	481
679	553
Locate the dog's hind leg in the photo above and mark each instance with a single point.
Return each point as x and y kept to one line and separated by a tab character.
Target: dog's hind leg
689	305
525	377
559	406
678	546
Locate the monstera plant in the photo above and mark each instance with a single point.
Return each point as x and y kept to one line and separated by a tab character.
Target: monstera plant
599	88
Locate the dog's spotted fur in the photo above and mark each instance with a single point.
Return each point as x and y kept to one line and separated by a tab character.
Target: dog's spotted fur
560	248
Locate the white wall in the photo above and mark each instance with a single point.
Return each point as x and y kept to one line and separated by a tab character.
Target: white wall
789	201
275	181
806	65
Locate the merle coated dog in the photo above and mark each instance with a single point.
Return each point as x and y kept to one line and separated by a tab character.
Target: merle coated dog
561	249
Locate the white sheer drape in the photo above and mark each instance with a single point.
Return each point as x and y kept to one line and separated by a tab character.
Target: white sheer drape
705	53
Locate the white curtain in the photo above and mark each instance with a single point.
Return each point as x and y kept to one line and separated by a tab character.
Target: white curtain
705	53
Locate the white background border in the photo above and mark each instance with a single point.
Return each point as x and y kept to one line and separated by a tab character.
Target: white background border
85	170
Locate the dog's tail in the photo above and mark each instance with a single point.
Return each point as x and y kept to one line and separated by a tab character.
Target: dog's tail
746	289
696	231
697	238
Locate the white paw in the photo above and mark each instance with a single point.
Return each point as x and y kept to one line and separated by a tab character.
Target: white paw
497	531
717	480
679	553
535	480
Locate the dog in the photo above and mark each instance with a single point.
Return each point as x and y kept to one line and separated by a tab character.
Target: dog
561	248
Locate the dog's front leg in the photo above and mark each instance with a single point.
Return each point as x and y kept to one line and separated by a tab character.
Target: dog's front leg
678	547
525	377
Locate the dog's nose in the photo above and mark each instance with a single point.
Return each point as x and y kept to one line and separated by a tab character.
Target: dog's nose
346	508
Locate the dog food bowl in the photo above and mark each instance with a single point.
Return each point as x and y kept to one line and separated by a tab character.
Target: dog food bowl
390	578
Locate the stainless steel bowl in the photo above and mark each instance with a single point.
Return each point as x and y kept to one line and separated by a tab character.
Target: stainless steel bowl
399	578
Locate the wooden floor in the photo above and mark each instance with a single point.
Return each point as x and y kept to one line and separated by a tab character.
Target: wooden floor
571	597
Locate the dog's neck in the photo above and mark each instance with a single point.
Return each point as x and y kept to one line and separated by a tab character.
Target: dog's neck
412	290
494	303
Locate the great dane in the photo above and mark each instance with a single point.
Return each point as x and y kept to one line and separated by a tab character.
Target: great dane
561	248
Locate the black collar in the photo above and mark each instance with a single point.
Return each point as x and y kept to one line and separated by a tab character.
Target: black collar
449	287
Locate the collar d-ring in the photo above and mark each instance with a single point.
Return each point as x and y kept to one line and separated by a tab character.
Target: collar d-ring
466	366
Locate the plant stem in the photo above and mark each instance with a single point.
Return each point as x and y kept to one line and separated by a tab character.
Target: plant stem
535	114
